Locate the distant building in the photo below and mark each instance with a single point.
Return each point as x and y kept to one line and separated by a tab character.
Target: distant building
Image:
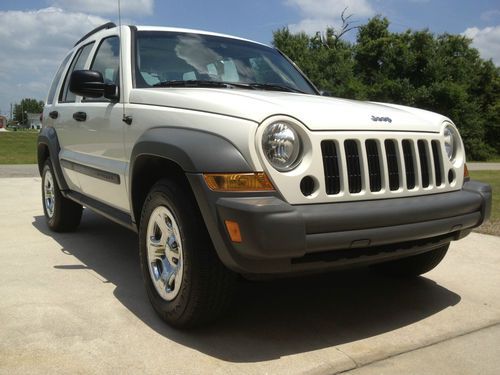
3	122
33	120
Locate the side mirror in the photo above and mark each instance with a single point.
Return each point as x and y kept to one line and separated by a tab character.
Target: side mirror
90	84
325	93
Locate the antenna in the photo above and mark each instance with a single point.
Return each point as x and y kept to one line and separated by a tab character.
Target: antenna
126	119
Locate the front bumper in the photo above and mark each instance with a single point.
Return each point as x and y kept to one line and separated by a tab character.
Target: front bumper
281	238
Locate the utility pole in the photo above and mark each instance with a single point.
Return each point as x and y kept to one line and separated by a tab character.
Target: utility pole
10	111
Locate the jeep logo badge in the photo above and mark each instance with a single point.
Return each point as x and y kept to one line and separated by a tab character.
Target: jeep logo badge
382	119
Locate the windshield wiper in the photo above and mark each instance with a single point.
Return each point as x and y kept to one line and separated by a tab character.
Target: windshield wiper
228	85
193	83
274	87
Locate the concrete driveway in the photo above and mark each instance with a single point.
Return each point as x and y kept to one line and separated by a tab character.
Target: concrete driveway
74	303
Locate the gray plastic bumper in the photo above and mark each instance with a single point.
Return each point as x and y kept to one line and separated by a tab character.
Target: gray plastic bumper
277	235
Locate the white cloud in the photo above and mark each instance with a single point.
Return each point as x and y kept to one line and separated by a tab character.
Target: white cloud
33	45
487	41
320	14
107	7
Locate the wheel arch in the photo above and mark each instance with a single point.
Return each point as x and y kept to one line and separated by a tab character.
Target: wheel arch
173	153
48	147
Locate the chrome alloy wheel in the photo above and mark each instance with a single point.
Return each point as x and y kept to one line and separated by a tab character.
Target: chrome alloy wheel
48	193
164	246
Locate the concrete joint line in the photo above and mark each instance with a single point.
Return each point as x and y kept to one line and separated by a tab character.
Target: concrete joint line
415	349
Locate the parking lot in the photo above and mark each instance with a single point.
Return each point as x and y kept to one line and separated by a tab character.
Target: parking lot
74	303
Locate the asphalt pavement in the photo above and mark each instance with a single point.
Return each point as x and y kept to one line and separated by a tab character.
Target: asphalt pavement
75	303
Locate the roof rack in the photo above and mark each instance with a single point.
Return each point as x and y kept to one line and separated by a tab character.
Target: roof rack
108	25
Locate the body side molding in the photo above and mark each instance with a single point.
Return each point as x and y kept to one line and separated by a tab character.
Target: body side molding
92	172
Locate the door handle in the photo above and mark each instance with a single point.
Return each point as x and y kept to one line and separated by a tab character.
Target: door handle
80	116
54	114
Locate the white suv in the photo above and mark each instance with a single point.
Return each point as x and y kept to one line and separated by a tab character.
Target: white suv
227	161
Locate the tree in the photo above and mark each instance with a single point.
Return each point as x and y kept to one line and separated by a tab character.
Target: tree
27	105
325	59
440	73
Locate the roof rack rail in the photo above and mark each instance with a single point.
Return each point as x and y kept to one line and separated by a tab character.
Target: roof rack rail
108	25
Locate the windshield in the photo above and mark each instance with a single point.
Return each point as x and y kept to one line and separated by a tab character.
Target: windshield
172	59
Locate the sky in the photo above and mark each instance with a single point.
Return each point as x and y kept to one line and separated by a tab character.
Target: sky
36	34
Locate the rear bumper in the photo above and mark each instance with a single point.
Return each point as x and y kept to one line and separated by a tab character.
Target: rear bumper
281	238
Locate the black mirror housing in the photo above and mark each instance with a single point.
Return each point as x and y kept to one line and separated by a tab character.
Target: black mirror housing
90	84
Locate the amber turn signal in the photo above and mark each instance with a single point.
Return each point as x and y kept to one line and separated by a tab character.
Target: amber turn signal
466	173
238	182
233	229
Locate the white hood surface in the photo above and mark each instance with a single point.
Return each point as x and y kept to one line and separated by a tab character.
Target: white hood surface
318	113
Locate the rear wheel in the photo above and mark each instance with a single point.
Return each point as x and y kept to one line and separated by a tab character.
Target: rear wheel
186	282
62	214
415	265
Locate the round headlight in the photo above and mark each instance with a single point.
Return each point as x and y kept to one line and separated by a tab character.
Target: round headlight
450	142
282	146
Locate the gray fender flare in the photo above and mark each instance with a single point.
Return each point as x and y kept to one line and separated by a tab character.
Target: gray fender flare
194	151
48	138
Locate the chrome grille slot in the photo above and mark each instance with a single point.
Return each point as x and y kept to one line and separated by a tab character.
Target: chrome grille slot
331	167
424	164
353	166
392	164
409	165
436	155
374	171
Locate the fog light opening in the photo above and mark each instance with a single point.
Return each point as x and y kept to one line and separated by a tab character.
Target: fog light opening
307	186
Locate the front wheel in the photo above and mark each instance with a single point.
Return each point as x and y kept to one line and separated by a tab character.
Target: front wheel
415	265
62	214
186	282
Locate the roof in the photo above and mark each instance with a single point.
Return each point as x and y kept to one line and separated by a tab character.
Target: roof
111	25
194	31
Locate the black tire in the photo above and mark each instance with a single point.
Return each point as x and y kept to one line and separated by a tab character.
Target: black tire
206	285
62	214
415	265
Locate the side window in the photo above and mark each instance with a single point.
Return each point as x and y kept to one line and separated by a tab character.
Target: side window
78	64
57	78
107	60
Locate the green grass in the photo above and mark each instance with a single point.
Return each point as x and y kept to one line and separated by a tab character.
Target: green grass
492	178
18	147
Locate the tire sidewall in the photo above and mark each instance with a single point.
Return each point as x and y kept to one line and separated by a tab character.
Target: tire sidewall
51	221
170	310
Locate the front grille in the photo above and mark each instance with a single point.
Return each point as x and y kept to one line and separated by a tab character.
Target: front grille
371	165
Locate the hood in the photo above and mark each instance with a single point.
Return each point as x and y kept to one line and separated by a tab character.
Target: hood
317	113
